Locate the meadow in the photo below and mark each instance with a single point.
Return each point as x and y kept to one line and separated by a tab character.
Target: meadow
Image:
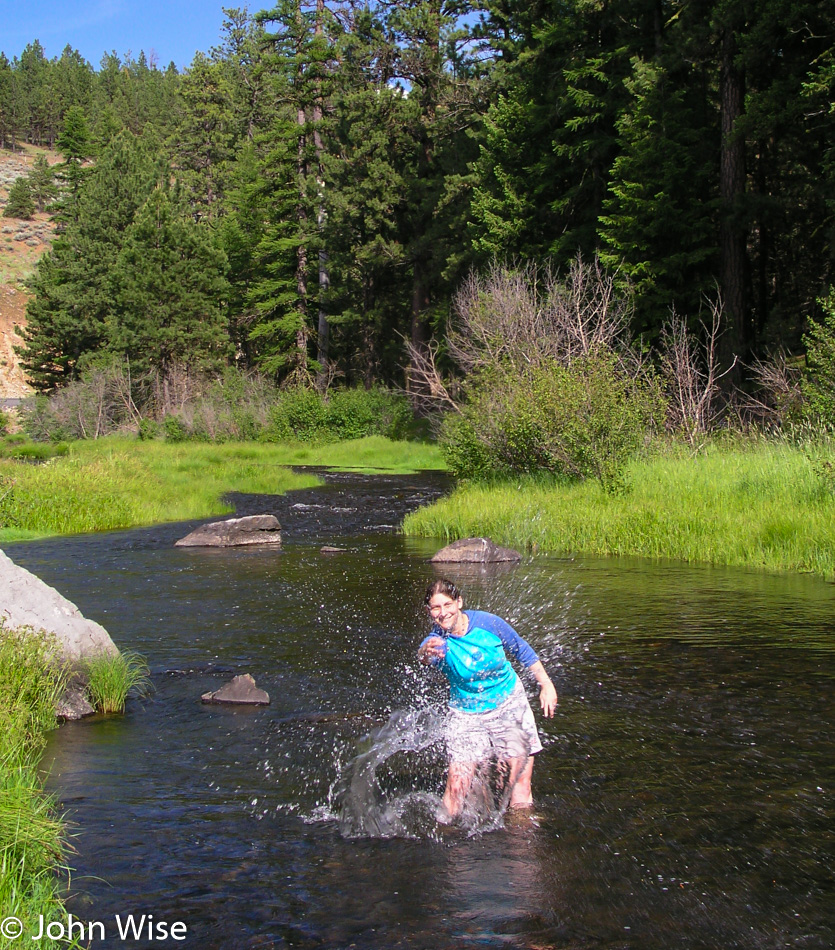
748	502
759	504
113	483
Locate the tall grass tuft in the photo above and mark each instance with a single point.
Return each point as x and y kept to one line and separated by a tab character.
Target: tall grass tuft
33	841
111	677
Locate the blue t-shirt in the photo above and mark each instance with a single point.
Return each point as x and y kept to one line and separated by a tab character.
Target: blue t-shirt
480	676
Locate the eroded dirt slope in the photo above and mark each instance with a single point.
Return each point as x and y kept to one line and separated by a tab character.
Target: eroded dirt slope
21	245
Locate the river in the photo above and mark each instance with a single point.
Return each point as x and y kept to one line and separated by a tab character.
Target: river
684	797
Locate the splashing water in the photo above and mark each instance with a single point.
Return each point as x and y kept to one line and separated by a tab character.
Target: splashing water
390	788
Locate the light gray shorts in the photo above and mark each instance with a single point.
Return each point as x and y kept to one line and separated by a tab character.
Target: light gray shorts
505	732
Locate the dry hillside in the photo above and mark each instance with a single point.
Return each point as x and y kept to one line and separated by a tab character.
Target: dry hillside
21	244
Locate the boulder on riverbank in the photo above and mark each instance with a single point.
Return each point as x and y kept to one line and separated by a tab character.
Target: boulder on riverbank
26	601
253	529
475	551
240	690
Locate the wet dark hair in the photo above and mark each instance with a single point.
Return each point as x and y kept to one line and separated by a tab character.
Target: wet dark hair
441	586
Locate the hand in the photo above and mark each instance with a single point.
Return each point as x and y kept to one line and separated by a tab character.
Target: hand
432	651
547	692
548	698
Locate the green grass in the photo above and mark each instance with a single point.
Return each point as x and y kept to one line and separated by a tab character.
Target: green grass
33	840
763	505
120	483
372	454
111	677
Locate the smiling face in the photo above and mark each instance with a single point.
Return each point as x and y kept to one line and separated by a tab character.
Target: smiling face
446	612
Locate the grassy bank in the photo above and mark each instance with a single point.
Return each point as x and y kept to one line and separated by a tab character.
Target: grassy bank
32	836
119	483
763	505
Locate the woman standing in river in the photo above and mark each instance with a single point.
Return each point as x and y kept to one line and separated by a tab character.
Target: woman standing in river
490	716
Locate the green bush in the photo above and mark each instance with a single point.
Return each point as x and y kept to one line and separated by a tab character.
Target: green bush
305	415
175	429
819	386
233	407
150	429
585	420
4	422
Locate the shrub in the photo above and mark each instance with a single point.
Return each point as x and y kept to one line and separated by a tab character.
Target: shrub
235	406
4	422
300	414
819	386
111	677
584	420
98	404
175	429
305	415
149	430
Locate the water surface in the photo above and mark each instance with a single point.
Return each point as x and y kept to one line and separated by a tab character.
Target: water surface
684	796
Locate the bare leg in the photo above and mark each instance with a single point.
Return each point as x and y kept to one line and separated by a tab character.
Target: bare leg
458	782
521	795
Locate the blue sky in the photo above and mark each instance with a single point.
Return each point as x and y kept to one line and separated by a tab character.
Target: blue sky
173	29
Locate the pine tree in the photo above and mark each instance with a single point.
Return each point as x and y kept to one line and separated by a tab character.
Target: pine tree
20	203
76	145
206	135
169	288
10	107
298	56
42	183
366	170
425	37
72	287
30	71
277	293
657	228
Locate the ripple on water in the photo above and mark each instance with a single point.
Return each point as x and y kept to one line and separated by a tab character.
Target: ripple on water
684	794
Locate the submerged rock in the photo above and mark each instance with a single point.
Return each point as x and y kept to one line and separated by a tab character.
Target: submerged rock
26	601
331	549
254	529
474	551
74	704
240	690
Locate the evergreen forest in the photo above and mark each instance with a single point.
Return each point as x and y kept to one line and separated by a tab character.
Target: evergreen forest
308	197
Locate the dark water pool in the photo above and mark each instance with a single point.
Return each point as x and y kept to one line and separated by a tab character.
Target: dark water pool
684	796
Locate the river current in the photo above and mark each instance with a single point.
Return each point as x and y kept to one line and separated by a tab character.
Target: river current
684	797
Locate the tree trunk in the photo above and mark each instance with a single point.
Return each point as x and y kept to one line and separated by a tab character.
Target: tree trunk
732	239
419	331
323	330
301	255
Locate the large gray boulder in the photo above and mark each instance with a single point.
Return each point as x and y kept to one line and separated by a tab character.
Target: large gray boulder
254	529
474	551
26	601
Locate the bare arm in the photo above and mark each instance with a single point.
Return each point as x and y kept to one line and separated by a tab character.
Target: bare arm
547	691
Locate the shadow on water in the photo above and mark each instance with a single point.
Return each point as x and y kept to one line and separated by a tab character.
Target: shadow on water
684	795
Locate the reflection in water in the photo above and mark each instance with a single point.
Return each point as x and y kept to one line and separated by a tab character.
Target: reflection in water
684	796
